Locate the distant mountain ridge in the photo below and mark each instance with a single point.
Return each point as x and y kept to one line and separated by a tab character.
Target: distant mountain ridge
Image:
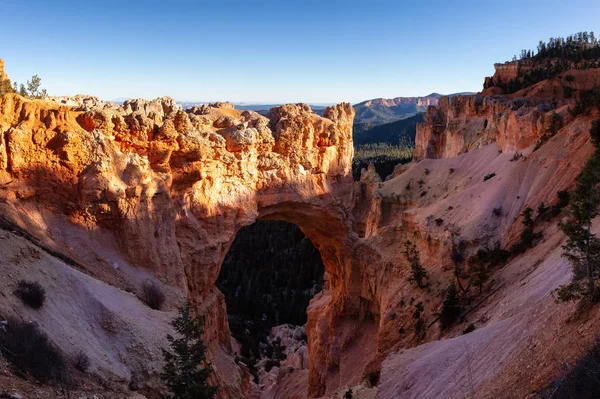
378	111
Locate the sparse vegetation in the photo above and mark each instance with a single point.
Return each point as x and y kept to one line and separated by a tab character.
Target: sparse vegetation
81	361
186	370
417	271
31	293
450	307
583	247
488	176
30	351
528	236
585	100
153	295
516	157
418	320
485	261
554	126
581	51
542	210
33	89
563	202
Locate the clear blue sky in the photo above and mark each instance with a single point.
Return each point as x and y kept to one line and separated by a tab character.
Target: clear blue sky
275	51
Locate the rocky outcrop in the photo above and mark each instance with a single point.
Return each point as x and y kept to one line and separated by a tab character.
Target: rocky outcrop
5	85
508	71
465	123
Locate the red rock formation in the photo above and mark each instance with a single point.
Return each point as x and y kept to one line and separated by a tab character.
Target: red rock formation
508	71
465	123
5	85
173	187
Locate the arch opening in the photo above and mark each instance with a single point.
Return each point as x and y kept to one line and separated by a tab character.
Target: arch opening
269	275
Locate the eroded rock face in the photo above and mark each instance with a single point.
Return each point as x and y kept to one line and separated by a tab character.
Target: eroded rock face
174	187
516	122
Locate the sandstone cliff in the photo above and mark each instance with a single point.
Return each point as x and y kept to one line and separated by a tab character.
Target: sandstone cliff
515	122
168	190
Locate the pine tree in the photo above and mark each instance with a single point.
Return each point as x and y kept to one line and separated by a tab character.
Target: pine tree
480	274
183	372
527	234
5	87
419	322
583	247
450	307
417	272
33	88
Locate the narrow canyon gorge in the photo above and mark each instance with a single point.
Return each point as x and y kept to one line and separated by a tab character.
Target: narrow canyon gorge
97	199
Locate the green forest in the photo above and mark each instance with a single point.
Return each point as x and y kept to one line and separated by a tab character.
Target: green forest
268	277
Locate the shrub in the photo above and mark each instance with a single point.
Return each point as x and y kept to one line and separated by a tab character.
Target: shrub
421	182
497	211
483	263
427	171
81	361
516	157
29	349
488	176
451	170
528	237
31	293
348	394
417	271
439	221
152	295
542	209
563	198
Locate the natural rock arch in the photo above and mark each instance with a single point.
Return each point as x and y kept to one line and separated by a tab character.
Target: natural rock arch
174	187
